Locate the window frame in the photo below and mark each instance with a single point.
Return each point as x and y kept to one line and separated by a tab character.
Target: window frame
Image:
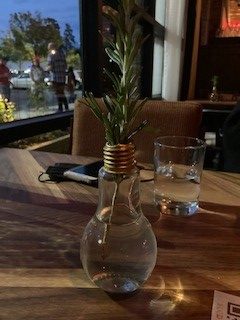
21	129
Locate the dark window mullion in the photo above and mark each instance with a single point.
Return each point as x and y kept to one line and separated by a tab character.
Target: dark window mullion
147	49
147	63
92	48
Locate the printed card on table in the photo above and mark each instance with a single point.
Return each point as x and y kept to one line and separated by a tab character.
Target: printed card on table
225	306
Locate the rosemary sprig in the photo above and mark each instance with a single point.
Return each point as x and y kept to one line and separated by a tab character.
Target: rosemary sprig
123	105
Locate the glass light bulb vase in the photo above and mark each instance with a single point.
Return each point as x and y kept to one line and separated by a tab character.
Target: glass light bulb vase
118	247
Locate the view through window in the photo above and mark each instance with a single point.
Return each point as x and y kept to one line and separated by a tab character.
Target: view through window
27	60
158	52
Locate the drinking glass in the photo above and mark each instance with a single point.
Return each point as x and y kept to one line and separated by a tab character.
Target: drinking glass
178	164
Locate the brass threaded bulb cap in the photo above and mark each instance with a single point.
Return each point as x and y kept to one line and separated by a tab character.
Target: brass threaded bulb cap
119	158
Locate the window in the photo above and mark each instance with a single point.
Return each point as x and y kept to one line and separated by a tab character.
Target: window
26	28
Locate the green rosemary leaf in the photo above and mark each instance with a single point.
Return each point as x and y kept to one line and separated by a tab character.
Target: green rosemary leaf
128	6
114	79
138	107
119	45
135	49
116	21
109	44
133	23
117	132
114	56
93	105
120	36
108	127
109	104
133	92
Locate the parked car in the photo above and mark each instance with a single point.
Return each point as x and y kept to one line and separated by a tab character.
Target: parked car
23	81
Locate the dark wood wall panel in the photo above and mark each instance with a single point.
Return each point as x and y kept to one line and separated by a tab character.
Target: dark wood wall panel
221	58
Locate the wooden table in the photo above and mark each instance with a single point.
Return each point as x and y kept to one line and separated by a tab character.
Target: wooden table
41	224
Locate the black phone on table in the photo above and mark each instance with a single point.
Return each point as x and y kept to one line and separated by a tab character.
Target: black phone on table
85	173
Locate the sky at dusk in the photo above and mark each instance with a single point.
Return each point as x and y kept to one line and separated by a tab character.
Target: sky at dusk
64	11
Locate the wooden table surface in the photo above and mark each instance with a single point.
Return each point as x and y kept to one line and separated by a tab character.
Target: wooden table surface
41	225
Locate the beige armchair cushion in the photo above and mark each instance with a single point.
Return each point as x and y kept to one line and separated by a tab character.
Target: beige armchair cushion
165	118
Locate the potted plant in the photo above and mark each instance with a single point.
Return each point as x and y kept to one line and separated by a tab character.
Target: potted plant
118	247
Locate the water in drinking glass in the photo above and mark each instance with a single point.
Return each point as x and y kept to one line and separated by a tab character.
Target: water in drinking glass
177	188
178	164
